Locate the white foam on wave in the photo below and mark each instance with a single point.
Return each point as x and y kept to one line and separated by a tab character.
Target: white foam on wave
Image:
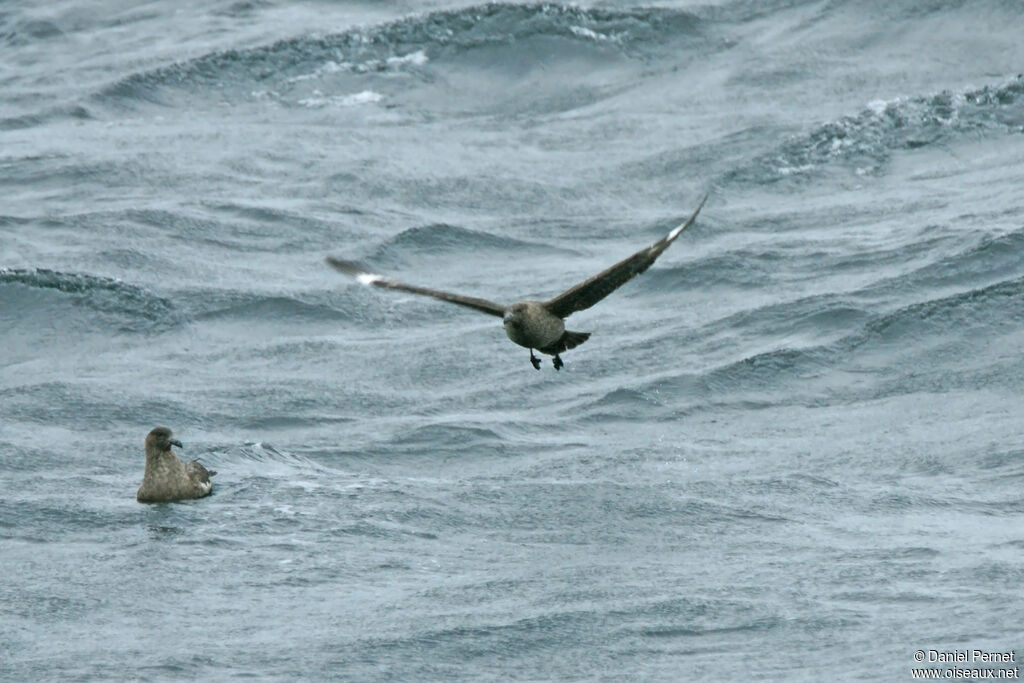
583	32
879	106
328	67
795	170
317	99
364	97
418	58
331	67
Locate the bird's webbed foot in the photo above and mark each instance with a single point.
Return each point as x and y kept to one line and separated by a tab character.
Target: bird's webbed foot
557	362
534	360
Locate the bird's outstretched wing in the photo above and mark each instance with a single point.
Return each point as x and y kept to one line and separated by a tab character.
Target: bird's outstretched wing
368	278
589	292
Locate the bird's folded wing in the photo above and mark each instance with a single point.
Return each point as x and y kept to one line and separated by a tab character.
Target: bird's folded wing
590	291
197	472
368	278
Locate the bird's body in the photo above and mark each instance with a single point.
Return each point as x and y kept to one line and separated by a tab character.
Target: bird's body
167	478
540	325
529	324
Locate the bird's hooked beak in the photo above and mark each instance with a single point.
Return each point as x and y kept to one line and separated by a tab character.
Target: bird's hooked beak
175	442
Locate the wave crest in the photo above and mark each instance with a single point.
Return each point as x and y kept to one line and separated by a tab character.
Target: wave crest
407	44
867	140
128	307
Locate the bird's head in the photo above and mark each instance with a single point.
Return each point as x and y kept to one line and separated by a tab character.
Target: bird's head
514	315
160	439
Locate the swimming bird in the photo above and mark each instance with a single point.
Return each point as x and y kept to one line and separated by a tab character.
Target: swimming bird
540	324
167	478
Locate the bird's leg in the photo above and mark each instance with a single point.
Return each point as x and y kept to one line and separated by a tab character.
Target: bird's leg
557	362
534	360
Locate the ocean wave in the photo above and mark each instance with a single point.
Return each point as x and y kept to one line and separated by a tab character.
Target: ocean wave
330	67
764	370
865	142
345	303
442	239
126	307
250	468
841	342
408	44
448	437
265	453
271	307
28	31
952	317
813	317
945	319
82	405
742	268
274	215
317	99
72	111
992	258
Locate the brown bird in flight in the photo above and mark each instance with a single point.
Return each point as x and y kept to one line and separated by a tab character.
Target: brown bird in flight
540	324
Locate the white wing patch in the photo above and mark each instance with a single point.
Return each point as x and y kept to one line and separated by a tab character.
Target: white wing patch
675	233
368	278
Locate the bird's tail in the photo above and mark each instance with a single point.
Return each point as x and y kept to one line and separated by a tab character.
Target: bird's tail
571	340
568	340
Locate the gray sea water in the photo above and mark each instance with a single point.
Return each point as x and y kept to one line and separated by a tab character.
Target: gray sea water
792	450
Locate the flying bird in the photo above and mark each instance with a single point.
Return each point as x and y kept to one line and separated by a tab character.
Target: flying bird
540	324
167	478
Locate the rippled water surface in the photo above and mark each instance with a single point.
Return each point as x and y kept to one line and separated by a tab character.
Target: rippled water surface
791	450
